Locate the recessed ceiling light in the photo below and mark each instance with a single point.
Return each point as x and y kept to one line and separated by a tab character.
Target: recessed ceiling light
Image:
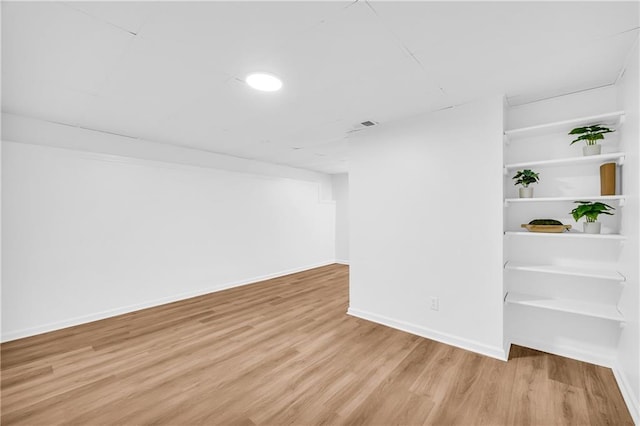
264	82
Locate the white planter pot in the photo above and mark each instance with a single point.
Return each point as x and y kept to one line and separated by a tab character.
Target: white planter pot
525	192
591	227
591	150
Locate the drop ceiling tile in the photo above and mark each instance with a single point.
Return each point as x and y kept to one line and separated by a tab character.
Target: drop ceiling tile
573	70
129	15
352	42
507	28
159	72
49	42
227	106
464	77
236	33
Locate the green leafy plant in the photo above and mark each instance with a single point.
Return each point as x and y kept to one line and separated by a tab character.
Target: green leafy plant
590	134
590	210
525	177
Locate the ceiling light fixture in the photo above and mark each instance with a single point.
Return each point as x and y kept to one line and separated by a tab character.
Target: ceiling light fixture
264	82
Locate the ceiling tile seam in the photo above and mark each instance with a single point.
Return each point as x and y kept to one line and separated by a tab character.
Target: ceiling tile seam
171	144
405	48
627	59
100	85
104	21
297	35
96	91
585	43
509	98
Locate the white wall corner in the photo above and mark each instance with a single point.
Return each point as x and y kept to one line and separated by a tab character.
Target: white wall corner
70	322
632	401
507	349
448	339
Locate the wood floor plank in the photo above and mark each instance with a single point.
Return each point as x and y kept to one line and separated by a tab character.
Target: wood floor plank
283	351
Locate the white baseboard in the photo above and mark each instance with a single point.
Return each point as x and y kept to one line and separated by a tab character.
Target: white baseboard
632	400
565	351
463	343
342	261
45	328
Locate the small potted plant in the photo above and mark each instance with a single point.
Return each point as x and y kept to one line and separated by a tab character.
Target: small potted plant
591	135
525	178
591	210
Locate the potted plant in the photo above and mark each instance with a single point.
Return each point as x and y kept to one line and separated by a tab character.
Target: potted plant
591	135
591	210
525	178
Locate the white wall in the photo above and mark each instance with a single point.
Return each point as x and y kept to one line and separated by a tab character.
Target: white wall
341	197
628	360
88	235
426	204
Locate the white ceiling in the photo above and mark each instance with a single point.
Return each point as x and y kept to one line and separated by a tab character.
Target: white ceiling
172	71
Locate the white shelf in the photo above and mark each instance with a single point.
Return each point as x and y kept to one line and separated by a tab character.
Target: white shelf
596	310
566	270
588	159
619	198
570	234
613	119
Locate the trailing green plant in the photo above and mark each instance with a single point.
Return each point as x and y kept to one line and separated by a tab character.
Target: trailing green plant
526	177
590	210
590	134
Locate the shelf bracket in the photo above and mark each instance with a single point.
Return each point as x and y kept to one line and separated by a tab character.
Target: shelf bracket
622	323
621	161
505	139
622	202
506	203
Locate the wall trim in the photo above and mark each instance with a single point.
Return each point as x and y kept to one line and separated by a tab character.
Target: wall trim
632	401
45	328
449	339
565	351
342	261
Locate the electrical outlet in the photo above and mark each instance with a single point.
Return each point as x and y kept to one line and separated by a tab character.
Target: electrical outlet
435	304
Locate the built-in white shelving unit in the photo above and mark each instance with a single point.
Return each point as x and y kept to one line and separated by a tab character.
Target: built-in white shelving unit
614	119
596	310
618	157
574	271
543	274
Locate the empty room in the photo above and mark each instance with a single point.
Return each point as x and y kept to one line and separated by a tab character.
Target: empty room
320	212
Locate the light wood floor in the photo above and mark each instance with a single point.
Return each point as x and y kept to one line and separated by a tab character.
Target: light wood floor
284	352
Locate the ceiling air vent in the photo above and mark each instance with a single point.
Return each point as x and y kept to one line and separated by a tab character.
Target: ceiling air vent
363	125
